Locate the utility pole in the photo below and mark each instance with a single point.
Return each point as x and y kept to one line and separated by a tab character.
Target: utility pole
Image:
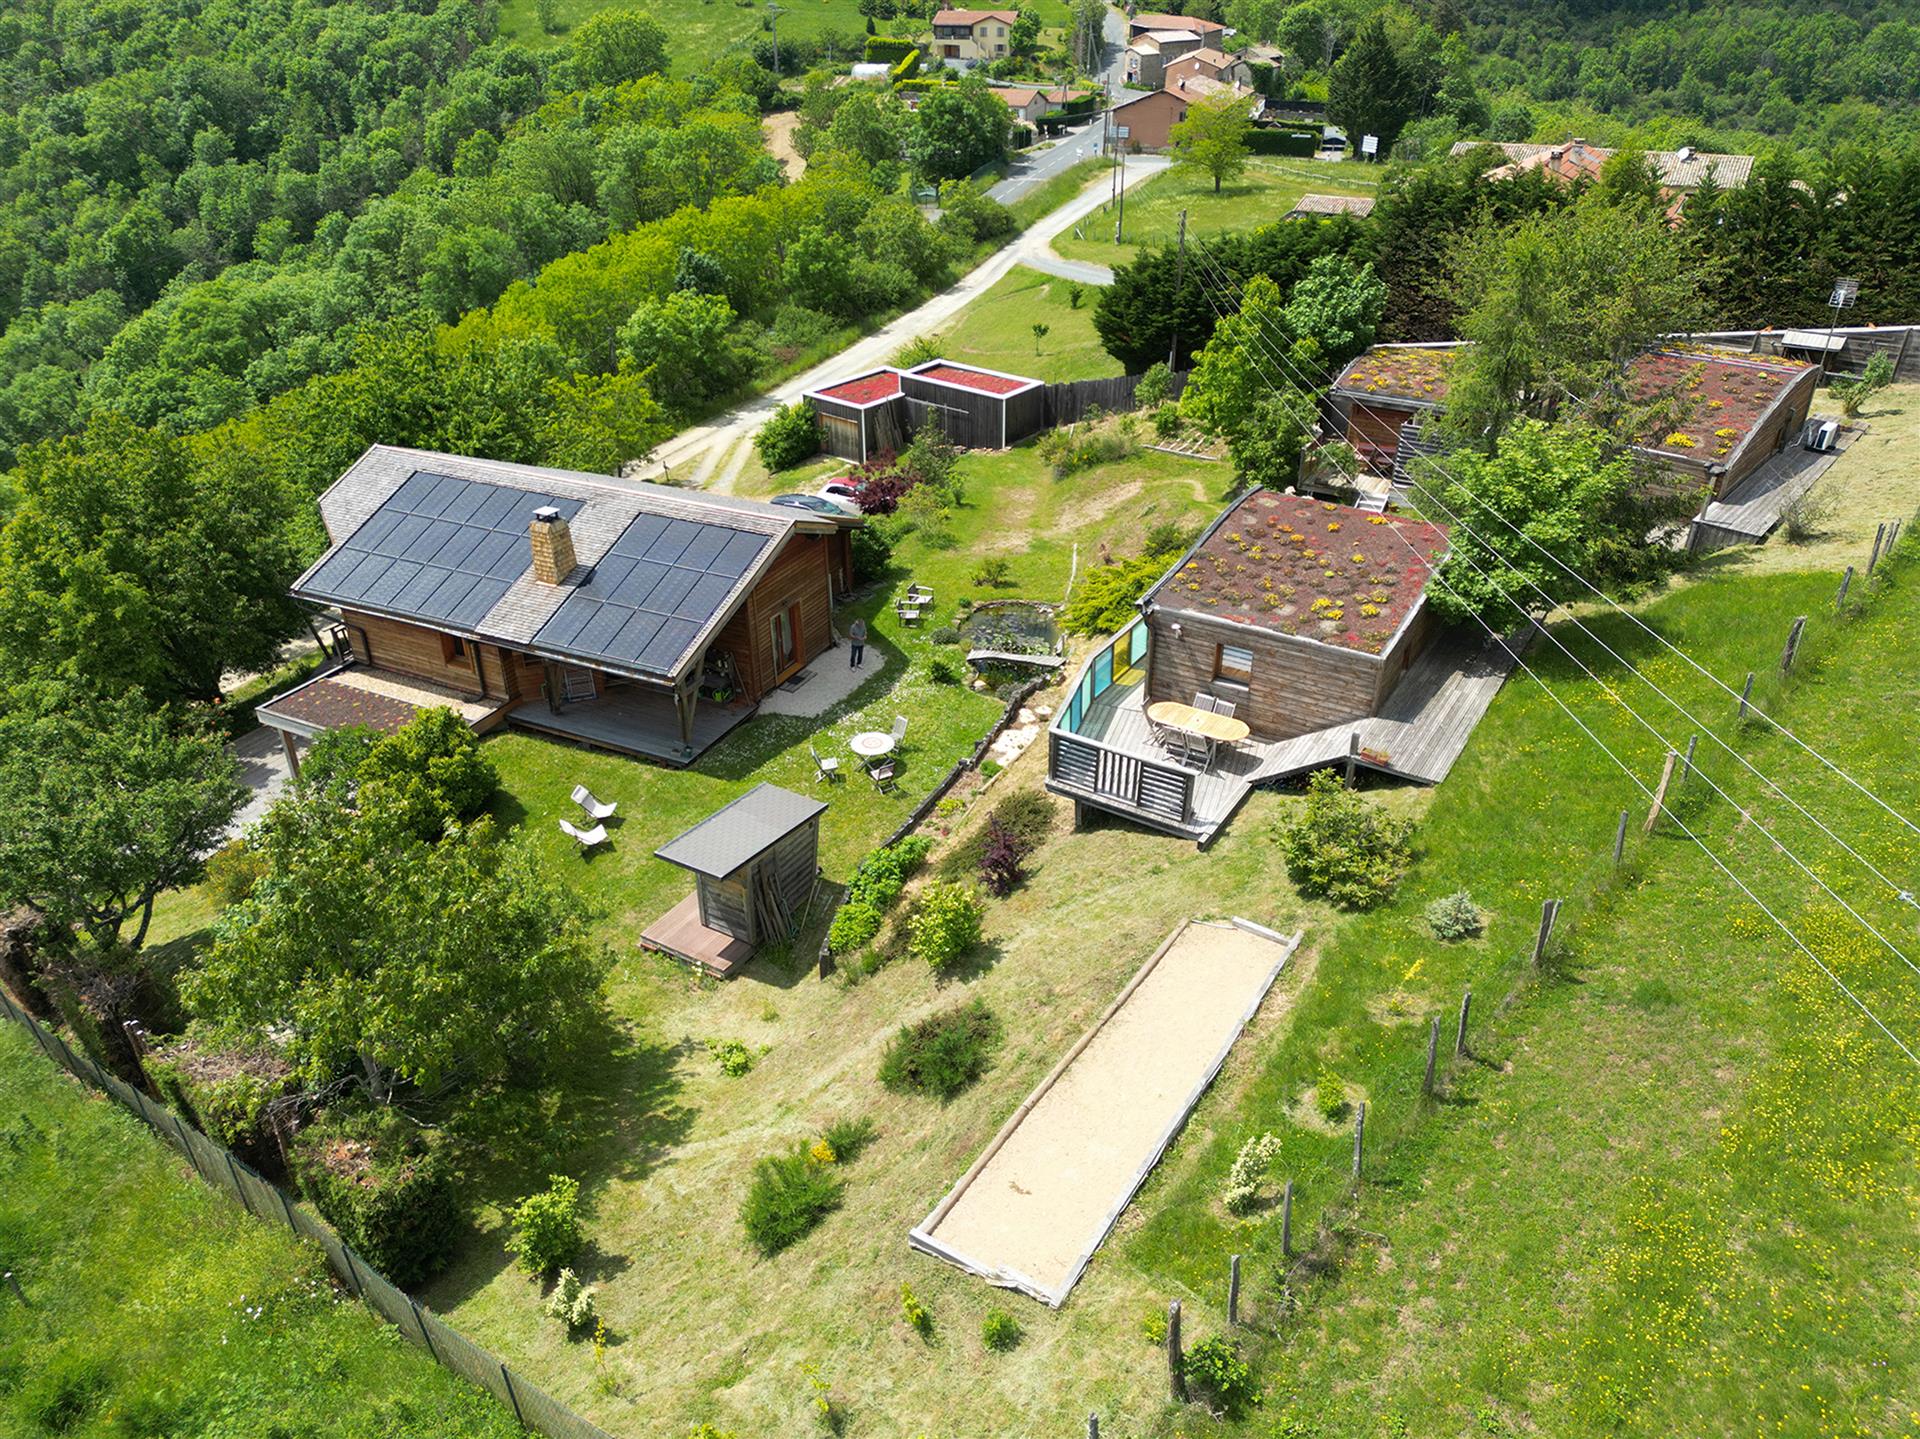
1179	286
1120	221
774	12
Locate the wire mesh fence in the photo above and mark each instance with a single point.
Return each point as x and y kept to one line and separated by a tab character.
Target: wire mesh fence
219	1167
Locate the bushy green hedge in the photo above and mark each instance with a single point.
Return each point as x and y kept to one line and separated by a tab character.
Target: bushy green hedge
788	438
376	1180
908	67
885	50
1283	142
876	884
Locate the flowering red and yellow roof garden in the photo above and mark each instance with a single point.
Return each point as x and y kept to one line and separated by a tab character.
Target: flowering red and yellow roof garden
1722	399
987	384
865	389
1305	567
1400	372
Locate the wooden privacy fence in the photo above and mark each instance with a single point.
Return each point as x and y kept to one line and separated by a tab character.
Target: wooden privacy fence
1068	404
217	1166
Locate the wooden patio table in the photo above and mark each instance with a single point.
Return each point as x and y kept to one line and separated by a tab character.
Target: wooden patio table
1221	729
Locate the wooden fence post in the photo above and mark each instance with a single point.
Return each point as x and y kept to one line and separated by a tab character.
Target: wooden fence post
1620	838
1879	534
1460	1036
1093	1426
1746	693
1233	1290
1845	580
1353	755
1793	644
1359	1137
1176	1359
1686	766
1433	1056
1660	794
1286	1220
1549	911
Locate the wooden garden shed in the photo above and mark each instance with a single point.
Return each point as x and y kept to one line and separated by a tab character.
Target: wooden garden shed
754	863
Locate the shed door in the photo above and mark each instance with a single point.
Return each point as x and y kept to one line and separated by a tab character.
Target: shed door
786	642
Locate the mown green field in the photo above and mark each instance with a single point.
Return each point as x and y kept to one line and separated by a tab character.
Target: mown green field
157	1307
996	330
1262	195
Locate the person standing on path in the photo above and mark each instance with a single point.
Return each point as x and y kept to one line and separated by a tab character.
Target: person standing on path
857	642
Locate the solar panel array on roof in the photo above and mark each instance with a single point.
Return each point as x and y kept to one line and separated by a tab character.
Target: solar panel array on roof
439	548
658	586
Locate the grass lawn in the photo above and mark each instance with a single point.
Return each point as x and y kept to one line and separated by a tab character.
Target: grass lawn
160	1308
1262	195
996	330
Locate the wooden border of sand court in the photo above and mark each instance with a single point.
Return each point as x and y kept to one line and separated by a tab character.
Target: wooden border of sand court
1052	1290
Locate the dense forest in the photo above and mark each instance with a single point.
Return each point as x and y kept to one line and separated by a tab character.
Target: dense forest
1722	76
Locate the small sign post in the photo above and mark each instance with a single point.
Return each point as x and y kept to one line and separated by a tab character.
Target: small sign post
1370	146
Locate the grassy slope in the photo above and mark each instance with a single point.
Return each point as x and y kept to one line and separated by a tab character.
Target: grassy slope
1265	193
996	330
160	1308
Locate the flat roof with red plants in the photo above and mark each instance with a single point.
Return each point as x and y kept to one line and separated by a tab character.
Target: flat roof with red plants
864	390
1304	567
1400	372
1722	398
973	379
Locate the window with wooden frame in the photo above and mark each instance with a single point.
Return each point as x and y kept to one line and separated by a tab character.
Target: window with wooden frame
453	649
1233	663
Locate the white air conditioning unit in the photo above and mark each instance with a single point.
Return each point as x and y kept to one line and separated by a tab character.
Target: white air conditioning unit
1820	434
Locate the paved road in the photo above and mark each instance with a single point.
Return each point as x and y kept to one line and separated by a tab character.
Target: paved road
713	455
1081	144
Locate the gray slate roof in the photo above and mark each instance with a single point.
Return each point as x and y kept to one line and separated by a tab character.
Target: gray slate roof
740	831
440	540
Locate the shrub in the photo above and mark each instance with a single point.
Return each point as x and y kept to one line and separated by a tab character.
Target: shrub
1330	1095
1806	518
789	1196
233	870
733	1057
377	1181
944	635
1218	1376
1166	421
1344	848
1168	539
943	1054
1853	394
1153	1326
572	1303
1107	594
1000	861
1025	815
993	571
229	1093
1454	916
1156	385
546	1226
1251	1166
855	924
430	771
1067	453
945	669
916	351
848	1138
919	1318
999	1331
788	438
947	926
872	552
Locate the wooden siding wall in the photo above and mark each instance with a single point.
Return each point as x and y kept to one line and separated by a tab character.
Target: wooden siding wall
796	861
416	650
1026	413
724	906
1780	428
801	575
1404	649
1298	686
1373	429
831	441
967	417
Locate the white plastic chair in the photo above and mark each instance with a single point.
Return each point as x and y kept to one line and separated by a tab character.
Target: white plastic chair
899	730
595	810
585	838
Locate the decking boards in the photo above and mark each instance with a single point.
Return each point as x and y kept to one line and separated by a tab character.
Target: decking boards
1421	733
1753	508
632	721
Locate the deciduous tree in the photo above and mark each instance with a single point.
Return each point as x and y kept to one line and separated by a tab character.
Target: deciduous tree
1212	138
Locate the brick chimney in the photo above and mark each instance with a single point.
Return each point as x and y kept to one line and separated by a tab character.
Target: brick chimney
552	545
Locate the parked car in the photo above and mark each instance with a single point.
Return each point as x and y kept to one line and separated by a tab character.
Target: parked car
845	491
819	504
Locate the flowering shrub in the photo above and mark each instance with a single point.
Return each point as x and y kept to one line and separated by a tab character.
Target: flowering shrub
1251	1166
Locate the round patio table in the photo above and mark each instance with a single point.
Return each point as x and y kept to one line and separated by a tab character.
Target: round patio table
871	744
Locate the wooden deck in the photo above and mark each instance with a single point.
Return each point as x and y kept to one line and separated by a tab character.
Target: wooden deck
1752	509
680	933
1421	733
634	721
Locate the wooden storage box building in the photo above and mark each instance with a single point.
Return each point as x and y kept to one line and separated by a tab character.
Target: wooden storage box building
878	413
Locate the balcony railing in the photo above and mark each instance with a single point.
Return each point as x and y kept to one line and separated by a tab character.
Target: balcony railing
1080	759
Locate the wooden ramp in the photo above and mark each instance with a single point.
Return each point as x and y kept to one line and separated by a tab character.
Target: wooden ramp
1047	1190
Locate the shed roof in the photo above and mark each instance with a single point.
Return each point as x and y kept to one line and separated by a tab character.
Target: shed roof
968	377
1152	20
740	831
1332	205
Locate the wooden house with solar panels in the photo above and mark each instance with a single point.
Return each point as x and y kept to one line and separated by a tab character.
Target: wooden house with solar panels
878	413
630	616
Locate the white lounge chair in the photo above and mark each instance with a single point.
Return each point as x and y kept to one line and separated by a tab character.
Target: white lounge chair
823	768
595	810
585	838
